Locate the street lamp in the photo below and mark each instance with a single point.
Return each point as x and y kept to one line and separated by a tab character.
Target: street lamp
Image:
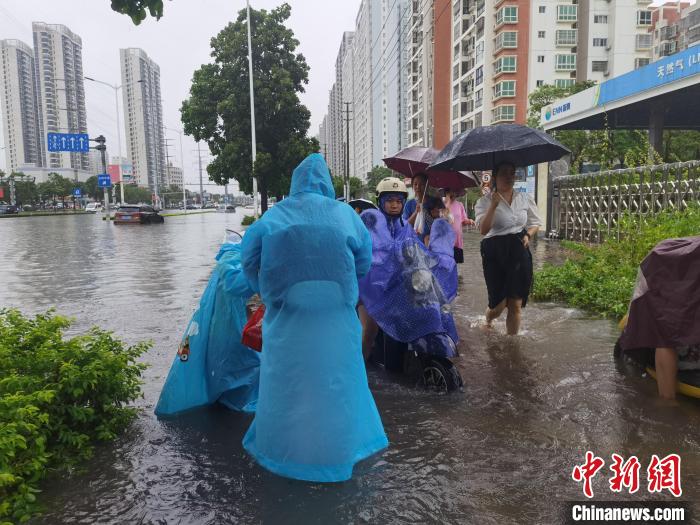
182	162
119	126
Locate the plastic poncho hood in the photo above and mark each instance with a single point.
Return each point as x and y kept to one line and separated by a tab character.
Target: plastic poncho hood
312	176
315	416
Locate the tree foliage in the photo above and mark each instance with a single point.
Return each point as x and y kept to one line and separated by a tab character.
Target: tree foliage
218	109
375	176
139	9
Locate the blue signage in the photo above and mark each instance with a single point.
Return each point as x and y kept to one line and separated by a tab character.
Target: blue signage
104	181
664	71
70	142
76	192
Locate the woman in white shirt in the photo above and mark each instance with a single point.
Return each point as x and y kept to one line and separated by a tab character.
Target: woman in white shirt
508	220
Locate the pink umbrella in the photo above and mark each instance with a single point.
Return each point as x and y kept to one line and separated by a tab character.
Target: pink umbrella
416	159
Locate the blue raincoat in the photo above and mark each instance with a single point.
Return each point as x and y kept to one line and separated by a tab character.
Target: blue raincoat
219	368
316	416
409	288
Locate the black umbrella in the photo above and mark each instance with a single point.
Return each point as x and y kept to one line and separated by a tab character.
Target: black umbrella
486	147
361	205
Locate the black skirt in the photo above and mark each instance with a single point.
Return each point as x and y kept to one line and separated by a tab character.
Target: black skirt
459	255
507	268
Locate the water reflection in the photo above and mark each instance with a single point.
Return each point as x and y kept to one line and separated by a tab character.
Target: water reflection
502	452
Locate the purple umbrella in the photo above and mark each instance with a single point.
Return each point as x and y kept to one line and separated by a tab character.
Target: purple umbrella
416	159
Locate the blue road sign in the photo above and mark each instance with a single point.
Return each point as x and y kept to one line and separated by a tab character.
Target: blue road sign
104	181
76	192
71	142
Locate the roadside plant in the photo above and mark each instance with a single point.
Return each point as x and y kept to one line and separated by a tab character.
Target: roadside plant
58	397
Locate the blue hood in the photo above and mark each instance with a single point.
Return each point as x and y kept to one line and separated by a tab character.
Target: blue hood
312	176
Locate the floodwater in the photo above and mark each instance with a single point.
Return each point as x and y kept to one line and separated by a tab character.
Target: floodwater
501	452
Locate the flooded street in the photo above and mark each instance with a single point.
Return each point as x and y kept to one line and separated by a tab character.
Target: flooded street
501	452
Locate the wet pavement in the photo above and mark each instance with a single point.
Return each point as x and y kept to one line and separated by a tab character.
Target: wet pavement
501	452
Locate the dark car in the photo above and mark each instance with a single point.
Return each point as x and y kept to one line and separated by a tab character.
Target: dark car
142	214
8	209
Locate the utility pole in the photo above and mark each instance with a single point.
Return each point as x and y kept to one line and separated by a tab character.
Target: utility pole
102	148
347	151
252	116
167	164
201	186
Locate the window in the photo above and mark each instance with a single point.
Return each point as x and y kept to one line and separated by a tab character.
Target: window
566	37
599	65
540	59
640	62
504	89
479	75
504	113
542	9
644	41
505	64
479	51
540	34
564	82
507	15
600	42
643	18
600	19
507	39
540	83
567	13
565	62
479	98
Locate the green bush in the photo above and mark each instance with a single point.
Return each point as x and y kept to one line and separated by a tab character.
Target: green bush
601	278
58	398
247	220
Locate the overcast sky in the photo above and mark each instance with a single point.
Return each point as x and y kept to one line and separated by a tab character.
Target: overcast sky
179	43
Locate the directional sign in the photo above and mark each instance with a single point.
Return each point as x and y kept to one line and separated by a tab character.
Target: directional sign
76	192
71	142
104	181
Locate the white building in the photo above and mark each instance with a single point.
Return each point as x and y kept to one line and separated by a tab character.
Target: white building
60	91
174	174
95	158
18	105
143	117
349	96
362	97
613	38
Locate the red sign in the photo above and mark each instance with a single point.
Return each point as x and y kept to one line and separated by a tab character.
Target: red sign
114	171
2	192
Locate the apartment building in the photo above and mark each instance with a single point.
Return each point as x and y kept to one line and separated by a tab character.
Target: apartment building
348	131
18	104
362	97
174	176
675	27
143	117
614	38
60	91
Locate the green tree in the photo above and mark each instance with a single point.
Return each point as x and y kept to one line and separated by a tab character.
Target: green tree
377	174
136	194
139	9
218	109
681	145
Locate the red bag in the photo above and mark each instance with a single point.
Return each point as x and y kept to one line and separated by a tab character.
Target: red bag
252	331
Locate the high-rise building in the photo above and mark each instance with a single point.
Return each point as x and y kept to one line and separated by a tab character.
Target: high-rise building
675	27
388	78
348	96
58	64
18	104
613	37
362	82
143	117
473	34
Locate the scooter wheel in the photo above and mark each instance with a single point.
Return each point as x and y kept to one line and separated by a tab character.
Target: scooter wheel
441	376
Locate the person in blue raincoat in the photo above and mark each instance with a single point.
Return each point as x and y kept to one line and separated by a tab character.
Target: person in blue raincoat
315	415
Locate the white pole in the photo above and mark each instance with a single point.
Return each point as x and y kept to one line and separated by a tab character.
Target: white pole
182	162
119	142
252	113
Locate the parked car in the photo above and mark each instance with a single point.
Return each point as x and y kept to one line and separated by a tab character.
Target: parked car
131	214
93	207
226	208
210	206
8	209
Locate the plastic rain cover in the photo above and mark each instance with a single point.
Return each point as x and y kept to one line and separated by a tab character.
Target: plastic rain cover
316	416
218	367
409	288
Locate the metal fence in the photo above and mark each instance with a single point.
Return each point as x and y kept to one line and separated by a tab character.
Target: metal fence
590	207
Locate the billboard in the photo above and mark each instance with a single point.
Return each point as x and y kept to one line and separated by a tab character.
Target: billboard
114	171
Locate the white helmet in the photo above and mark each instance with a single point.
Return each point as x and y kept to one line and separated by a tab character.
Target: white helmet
391	185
